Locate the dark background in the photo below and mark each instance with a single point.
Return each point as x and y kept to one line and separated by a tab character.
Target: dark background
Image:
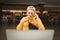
49	2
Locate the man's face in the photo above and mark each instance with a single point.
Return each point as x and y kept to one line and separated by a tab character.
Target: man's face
30	13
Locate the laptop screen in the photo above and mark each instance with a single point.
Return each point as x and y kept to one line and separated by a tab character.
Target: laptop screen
13	34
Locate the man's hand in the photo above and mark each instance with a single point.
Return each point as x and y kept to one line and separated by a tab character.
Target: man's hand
36	16
25	19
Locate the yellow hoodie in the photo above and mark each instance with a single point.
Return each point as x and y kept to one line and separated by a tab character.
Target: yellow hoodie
25	26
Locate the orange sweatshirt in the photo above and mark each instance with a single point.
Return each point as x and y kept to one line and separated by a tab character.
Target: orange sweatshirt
25	26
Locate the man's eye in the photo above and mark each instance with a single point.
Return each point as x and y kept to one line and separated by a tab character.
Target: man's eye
31	13
28	13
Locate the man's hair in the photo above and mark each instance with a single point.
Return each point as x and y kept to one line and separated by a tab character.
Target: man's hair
31	8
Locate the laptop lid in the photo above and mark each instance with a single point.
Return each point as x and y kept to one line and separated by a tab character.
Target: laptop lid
13	34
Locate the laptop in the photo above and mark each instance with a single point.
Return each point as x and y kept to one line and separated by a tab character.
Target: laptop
13	34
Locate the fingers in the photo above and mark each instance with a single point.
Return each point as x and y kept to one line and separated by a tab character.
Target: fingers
36	16
25	19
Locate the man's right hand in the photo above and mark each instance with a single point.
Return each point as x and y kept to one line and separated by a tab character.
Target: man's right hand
25	19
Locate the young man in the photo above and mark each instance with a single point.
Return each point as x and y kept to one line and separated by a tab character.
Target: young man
32	18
